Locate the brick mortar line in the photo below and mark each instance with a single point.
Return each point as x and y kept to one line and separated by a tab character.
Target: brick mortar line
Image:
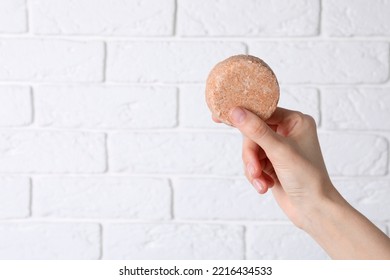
175	21
30	201
104	222
320	111
28	18
320	20
388	153
245	243
33	106
131	175
241	177
171	130
178	108
174	176
172	197
101	238
105	60
388	59
193	38
385	84
106	155
115	130
145	221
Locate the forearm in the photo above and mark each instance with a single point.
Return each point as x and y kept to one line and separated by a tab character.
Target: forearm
344	233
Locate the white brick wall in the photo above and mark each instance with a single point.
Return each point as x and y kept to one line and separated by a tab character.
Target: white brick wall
99	107
326	62
355	160
102	197
173	62
51	152
356	108
15	106
181	241
356	17
26	240
15	197
13	16
250	17
105	134
281	242
51	60
222	199
102	17
172	152
369	196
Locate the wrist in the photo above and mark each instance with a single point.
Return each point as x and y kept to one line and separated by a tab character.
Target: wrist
325	207
342	231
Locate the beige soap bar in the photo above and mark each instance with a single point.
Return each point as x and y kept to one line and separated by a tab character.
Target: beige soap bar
245	81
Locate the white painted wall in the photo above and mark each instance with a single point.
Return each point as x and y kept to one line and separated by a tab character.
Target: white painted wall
107	149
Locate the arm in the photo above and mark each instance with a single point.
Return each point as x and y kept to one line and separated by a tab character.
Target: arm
344	233
284	155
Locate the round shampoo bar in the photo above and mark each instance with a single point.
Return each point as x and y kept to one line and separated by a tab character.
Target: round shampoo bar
245	81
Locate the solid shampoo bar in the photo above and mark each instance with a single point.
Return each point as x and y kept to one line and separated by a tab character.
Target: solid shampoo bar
245	81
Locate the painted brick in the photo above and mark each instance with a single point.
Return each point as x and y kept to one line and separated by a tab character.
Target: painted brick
15	106
352	154
356	17
356	108
51	60
49	241
14	197
193	110
222	199
13	17
199	153
305	100
325	62
172	241
51	152
101	17
101	197
75	72
369	196
248	18
272	242
166	61
105	107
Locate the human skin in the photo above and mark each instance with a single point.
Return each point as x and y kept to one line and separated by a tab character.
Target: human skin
283	154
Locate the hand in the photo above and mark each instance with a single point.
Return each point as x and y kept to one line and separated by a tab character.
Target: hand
284	154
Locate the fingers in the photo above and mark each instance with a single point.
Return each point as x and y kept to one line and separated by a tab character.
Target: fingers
255	161
255	129
215	119
289	122
250	157
279	115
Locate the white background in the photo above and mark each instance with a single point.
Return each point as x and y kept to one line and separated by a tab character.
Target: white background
107	150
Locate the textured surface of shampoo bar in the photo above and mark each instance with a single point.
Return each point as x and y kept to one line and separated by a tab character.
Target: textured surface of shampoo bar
245	81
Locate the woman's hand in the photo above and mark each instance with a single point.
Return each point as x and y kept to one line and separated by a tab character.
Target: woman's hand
284	154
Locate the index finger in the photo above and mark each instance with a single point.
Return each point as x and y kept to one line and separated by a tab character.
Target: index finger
279	115
215	119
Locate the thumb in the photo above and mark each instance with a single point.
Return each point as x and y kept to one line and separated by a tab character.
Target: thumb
255	128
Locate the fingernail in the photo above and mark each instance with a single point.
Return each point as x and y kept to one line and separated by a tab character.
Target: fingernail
237	115
251	169
258	186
